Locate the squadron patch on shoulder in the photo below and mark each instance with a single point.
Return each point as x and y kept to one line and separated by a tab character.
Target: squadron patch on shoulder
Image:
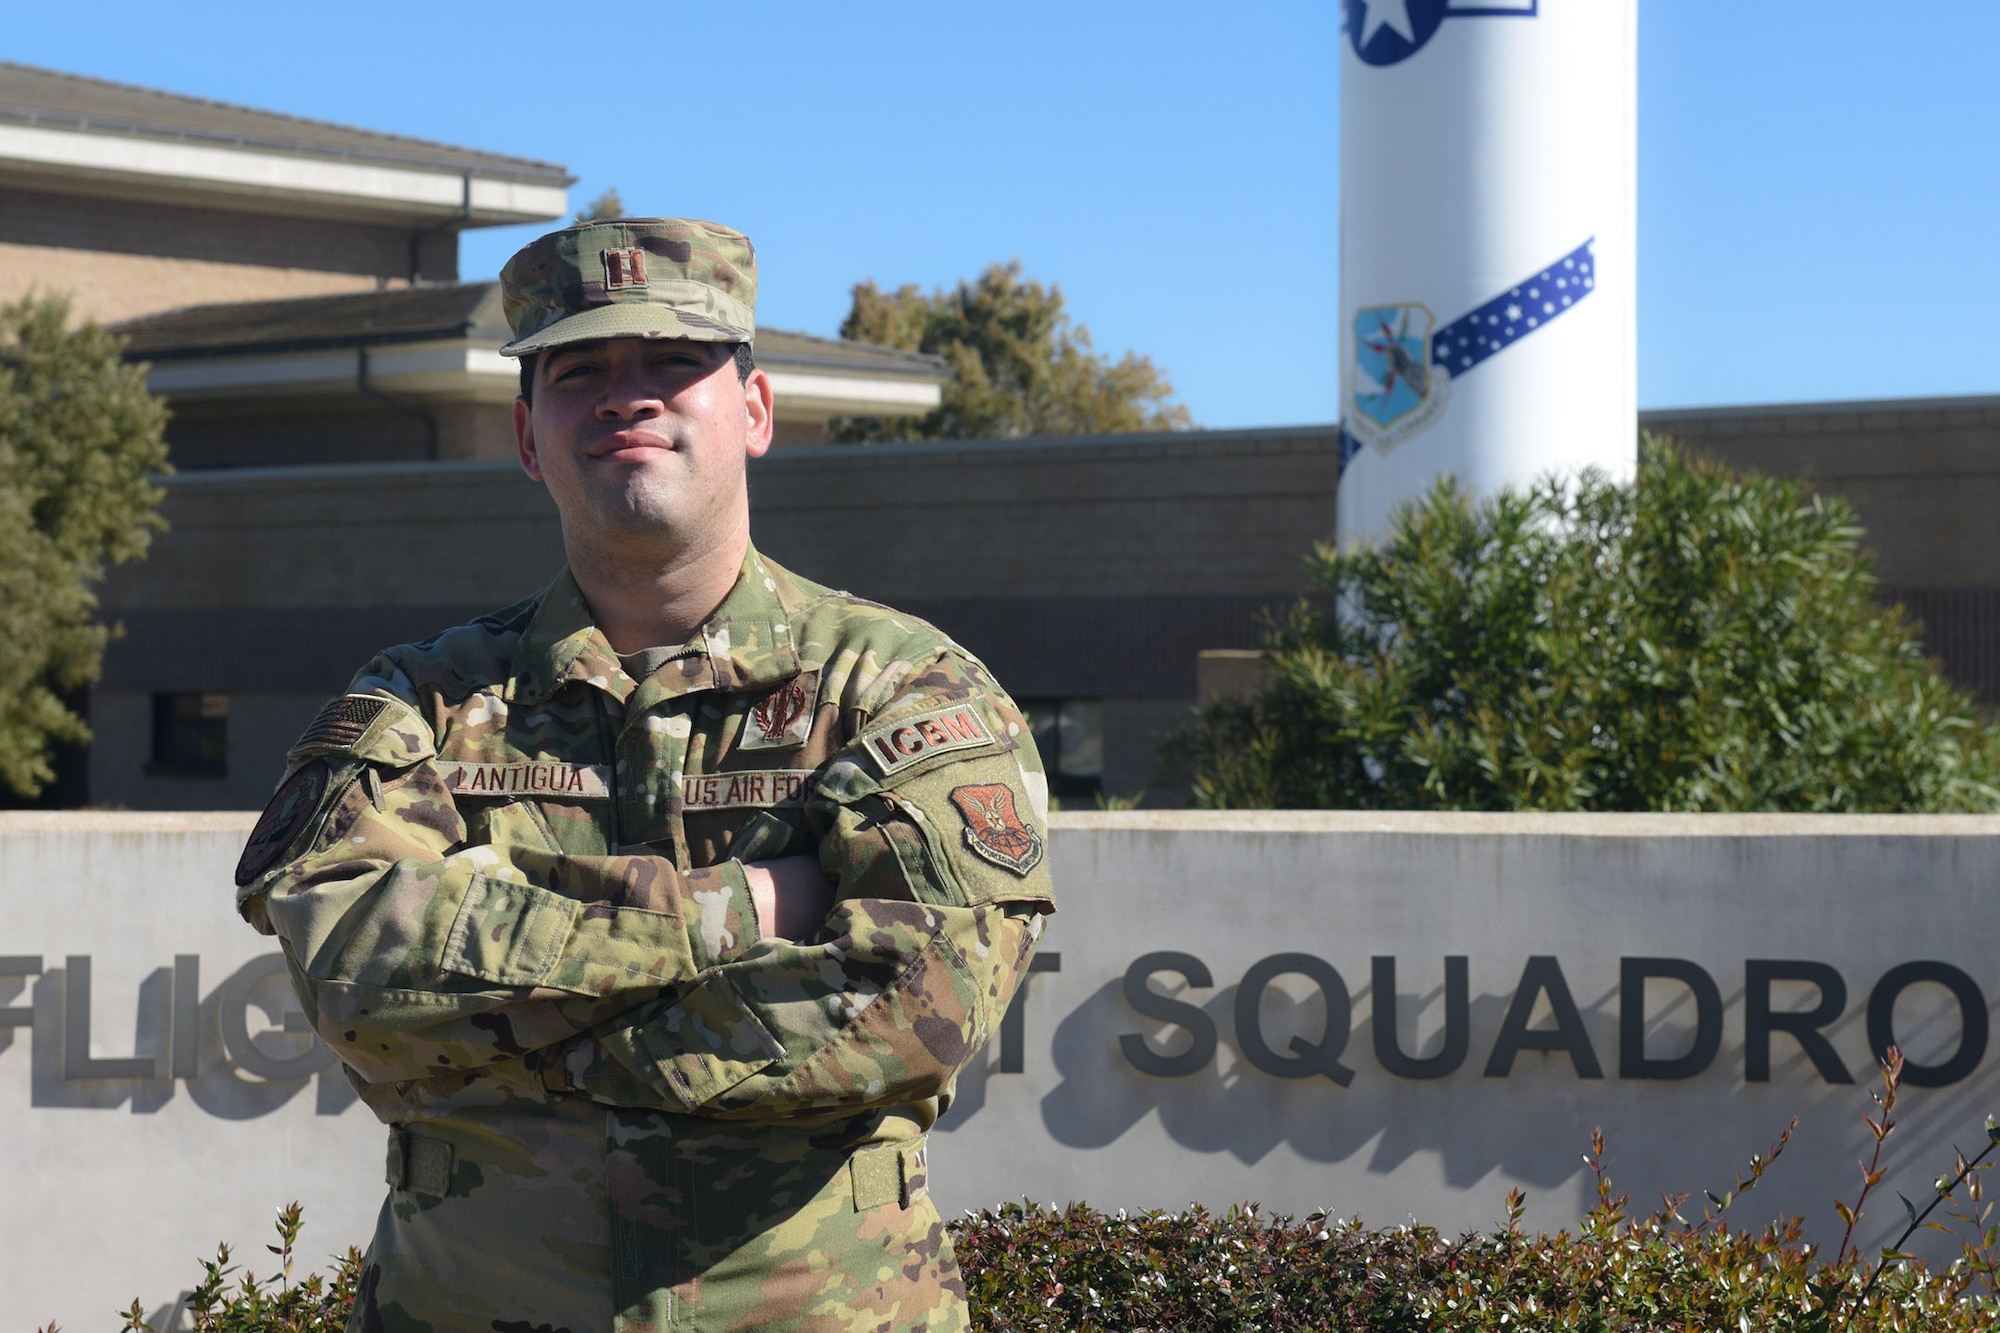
782	718
342	722
291	810
994	829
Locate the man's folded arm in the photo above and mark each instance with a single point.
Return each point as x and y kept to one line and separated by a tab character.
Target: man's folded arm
941	891
417	954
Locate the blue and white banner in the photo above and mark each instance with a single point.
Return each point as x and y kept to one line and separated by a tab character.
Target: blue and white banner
1487	200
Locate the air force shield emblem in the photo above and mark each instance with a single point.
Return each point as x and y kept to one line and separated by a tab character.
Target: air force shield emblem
1394	390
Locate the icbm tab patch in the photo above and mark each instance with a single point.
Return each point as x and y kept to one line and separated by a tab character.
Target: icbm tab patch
899	744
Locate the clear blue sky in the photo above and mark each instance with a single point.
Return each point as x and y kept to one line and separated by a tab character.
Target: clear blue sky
1818	184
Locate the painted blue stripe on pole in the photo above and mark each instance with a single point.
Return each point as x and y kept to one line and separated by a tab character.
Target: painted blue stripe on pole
1504	321
1349	447
1516	312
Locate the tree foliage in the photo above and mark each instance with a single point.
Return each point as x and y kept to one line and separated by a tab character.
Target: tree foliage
1693	640
79	434
606	205
1018	366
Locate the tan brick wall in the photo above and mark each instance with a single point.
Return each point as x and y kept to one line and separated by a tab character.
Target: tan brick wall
123	258
109	287
1925	478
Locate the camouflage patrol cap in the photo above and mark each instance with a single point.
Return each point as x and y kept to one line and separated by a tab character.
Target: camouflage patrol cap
631	278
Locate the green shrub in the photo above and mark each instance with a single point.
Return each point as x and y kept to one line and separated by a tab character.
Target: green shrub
1030	1269
1690	640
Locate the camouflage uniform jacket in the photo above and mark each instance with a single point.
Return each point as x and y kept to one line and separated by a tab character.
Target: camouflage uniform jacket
508	880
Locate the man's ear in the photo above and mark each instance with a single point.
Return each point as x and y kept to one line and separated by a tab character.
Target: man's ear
758	402
524	439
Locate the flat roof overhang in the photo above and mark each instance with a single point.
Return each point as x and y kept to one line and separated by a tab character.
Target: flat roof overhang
459	369
259	179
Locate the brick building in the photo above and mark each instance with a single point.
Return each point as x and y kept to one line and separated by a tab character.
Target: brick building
346	477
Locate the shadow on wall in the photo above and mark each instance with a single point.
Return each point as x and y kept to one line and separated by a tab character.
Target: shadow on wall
231	1065
1514	1083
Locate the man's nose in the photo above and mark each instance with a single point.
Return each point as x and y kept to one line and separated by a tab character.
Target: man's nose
629	396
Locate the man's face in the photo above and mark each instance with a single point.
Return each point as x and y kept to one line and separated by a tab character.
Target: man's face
643	437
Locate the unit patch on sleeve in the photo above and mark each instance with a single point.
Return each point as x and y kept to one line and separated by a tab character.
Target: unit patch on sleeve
291	810
899	744
535	777
782	718
758	789
994	829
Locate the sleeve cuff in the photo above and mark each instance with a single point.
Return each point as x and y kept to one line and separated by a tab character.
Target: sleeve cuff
721	918
693	1050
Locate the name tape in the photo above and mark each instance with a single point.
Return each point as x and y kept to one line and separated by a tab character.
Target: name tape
578	782
900	744
759	788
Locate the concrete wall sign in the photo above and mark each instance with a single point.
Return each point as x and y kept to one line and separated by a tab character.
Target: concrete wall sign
1388	1016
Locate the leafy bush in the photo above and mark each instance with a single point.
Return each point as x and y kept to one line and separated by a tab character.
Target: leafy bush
1690	640
79	435
1030	1269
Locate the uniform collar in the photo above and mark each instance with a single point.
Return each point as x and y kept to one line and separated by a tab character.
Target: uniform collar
746	645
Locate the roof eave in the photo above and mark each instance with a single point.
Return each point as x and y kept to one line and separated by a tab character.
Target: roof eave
266	179
471	368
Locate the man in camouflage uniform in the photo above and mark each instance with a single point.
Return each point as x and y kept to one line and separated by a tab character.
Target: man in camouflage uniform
656	914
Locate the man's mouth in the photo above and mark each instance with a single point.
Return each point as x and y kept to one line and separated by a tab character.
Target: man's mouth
628	445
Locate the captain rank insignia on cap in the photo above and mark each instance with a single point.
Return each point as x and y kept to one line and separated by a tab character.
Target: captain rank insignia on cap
624	268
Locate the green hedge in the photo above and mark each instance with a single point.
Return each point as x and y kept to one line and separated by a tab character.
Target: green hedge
1030	1269
1075	1270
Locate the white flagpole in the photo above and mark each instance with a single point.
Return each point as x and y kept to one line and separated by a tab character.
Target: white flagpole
1487	198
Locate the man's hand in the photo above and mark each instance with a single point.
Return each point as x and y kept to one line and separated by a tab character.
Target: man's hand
791	896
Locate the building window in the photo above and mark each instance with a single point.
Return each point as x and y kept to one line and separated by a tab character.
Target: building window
190	735
1070	735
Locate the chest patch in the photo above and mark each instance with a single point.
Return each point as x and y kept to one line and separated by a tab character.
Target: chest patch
752	789
782	718
537	777
898	745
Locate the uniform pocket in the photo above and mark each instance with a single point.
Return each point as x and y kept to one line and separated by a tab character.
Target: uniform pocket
507	933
